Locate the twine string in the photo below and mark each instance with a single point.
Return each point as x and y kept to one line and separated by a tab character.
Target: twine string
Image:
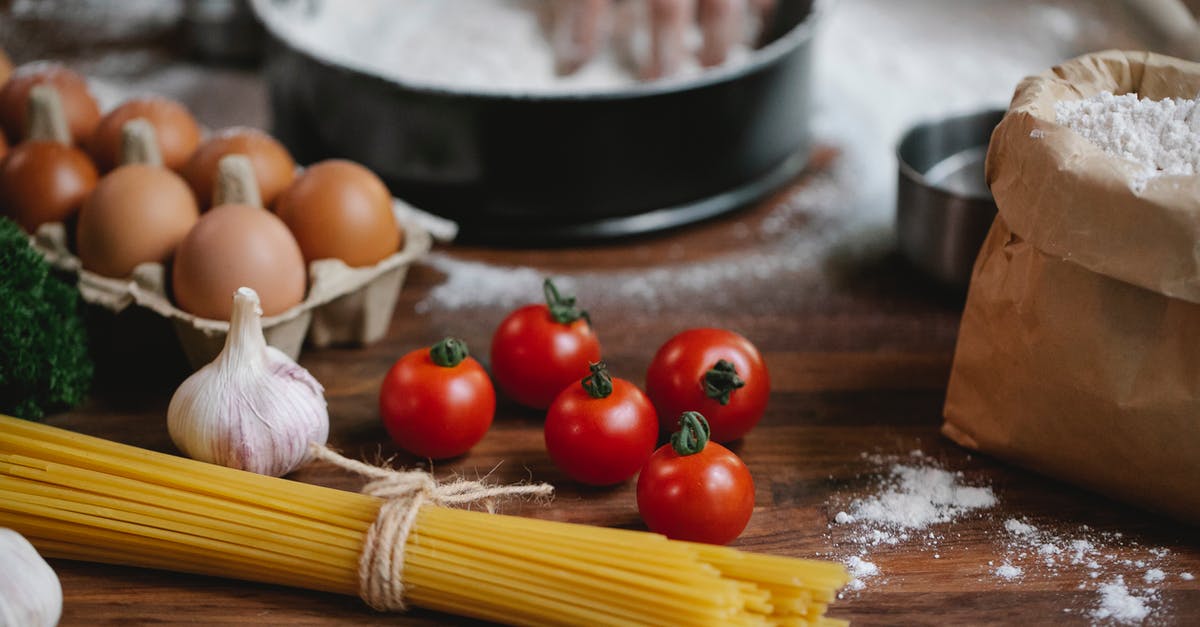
381	563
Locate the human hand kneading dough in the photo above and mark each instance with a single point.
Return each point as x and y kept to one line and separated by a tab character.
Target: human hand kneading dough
582	27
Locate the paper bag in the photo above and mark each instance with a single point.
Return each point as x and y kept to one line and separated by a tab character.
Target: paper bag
1079	350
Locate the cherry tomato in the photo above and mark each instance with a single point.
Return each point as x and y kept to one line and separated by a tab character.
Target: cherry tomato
602	430
539	350
695	490
437	402
715	372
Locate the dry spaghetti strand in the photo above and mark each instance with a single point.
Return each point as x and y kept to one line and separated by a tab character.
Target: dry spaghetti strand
84	498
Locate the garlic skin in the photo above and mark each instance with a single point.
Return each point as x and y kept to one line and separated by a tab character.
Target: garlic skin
30	595
252	408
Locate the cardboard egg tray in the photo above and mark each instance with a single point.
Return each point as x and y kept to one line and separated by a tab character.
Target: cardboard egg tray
343	305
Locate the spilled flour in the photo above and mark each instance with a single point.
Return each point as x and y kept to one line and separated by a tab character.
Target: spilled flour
919	496
1118	604
860	570
785	250
1125	575
913	507
1008	571
912	495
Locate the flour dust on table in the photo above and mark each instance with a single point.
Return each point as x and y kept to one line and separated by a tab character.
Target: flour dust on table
784	248
912	494
1125	575
915	505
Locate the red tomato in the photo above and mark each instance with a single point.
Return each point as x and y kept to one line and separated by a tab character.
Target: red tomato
715	372
695	490
437	402
539	350
601	431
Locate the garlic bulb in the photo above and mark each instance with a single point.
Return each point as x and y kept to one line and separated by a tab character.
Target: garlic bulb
30	594
252	408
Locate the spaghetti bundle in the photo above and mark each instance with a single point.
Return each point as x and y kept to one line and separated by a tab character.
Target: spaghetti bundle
84	498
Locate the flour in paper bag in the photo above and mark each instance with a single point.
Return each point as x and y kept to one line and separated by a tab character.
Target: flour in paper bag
1161	136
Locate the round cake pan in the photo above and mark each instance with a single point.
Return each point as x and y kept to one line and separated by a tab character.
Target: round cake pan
944	208
519	169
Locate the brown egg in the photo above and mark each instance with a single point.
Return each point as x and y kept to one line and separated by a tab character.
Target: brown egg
82	111
339	209
234	246
6	67
176	129
137	213
274	168
44	181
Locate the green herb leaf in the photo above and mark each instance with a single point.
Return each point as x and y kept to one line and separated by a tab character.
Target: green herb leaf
44	361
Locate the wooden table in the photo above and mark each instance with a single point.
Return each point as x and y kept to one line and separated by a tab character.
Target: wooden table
859	349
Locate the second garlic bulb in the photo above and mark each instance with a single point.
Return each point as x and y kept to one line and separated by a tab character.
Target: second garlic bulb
252	408
30	595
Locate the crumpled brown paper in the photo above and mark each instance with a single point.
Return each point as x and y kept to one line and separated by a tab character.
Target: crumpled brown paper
1079	350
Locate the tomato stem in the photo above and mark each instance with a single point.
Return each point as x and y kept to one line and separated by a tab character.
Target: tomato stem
562	308
449	352
599	383
721	380
693	434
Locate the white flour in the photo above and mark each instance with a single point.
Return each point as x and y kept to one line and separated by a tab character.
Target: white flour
915	498
919	496
860	570
1116	603
485	46
1101	561
912	510
783	250
1161	136
1008	571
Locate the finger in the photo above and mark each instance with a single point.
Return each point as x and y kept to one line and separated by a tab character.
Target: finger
722	23
763	8
763	11
669	21
578	30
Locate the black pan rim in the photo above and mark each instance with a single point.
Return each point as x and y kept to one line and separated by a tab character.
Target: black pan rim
801	33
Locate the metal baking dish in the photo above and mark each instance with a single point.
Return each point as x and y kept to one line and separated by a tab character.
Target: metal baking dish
544	168
943	207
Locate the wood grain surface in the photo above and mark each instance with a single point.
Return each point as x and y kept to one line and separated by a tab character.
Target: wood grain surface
859	348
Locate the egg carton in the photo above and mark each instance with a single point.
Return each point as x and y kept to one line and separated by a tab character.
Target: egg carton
343	304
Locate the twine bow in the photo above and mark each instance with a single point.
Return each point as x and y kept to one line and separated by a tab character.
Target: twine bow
381	563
